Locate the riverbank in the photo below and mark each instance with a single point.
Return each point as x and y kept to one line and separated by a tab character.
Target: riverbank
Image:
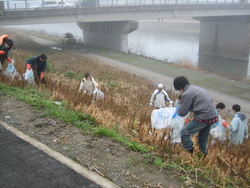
120	88
221	89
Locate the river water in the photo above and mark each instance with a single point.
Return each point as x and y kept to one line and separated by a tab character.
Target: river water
163	46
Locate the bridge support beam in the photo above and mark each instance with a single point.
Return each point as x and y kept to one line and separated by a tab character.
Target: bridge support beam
112	35
1	8
225	37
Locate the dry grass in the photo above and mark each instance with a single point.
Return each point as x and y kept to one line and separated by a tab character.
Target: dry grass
126	105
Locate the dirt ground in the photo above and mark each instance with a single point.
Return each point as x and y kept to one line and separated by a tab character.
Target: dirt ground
106	157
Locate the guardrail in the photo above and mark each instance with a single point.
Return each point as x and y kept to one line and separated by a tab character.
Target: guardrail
31	4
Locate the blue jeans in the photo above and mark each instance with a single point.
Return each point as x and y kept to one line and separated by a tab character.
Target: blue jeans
192	128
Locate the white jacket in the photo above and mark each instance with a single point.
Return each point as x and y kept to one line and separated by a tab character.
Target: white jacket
88	86
159	98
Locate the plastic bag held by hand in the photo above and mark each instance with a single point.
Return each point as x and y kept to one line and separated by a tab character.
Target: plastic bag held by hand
29	76
11	71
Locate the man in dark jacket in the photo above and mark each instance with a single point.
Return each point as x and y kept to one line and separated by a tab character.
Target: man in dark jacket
195	99
38	64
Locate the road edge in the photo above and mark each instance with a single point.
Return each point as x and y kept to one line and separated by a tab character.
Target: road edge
103	182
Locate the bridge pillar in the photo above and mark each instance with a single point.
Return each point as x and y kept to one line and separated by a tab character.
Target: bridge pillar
225	37
1	8
112	35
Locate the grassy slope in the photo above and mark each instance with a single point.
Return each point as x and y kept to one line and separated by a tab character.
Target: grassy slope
211	81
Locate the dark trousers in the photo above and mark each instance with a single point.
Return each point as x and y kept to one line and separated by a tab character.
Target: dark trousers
37	76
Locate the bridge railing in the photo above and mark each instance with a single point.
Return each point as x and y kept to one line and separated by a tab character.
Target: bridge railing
28	4
162	2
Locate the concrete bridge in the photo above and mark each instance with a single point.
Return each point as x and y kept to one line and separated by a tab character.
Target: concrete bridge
224	28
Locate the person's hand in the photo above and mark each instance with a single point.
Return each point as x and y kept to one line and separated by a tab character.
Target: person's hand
28	66
42	75
186	121
150	104
224	124
2	52
9	60
96	85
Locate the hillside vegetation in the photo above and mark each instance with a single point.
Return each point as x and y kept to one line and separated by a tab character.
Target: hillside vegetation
124	114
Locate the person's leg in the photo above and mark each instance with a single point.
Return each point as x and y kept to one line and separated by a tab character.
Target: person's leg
190	129
36	76
202	138
43	82
1	63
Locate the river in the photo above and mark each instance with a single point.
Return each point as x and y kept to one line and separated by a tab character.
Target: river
165	41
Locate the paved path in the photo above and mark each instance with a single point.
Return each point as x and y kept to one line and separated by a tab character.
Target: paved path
32	164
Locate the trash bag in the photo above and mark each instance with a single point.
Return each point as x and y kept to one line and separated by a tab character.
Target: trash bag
161	118
11	72
219	132
177	124
98	94
29	76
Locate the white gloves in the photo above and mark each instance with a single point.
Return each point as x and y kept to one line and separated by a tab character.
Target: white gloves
150	104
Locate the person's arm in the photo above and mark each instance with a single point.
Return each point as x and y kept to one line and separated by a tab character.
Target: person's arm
28	65
185	105
94	82
30	62
246	130
152	97
44	66
81	85
166	96
234	125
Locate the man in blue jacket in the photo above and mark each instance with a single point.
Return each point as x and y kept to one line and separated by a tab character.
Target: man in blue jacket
195	99
38	64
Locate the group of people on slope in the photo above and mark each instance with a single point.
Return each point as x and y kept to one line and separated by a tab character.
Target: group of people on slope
38	65
196	99
192	99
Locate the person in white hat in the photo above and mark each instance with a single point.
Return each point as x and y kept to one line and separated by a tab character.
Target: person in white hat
159	97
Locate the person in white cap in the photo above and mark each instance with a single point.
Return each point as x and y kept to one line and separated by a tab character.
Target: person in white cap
159	97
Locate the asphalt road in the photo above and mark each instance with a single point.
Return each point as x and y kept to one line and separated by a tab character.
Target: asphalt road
23	165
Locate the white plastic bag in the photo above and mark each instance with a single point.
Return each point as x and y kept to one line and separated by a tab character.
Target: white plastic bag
177	124
11	72
161	118
29	76
219	131
98	94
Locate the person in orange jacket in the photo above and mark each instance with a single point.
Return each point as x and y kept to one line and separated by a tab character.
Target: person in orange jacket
38	64
5	46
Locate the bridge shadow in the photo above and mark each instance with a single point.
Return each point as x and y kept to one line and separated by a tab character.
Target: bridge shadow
227	68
